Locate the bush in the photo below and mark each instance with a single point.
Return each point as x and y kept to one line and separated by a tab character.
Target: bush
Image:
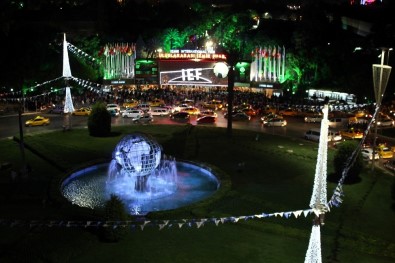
99	121
114	210
344	151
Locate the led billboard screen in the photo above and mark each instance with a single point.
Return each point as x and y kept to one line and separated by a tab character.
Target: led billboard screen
199	73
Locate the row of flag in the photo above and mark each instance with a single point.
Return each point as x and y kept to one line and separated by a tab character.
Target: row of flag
118	48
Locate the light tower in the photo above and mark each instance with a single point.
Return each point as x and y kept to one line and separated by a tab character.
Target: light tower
318	200
381	74
68	104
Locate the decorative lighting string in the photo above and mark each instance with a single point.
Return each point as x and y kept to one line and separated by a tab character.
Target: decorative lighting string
98	88
140	222
81	54
12	93
336	199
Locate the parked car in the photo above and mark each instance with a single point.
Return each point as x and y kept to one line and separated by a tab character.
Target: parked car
82	112
278	122
156	102
207	113
288	112
338	122
384	152
270	116
130	103
314	134
239	116
206	119
132	113
114	106
180	107
57	110
192	110
182	115
159	112
385	122
144	107
249	111
367	154
37	121
313	118
145	118
351	134
213	105
390	165
113	112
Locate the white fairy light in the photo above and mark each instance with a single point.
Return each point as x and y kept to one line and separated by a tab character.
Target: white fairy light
313	254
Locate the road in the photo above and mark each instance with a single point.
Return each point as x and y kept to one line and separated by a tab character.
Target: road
9	125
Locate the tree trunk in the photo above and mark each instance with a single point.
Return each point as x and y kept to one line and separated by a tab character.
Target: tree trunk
231	83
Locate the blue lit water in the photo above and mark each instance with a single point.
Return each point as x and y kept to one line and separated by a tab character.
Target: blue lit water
91	188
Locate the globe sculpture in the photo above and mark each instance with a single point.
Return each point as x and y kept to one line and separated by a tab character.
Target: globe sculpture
135	156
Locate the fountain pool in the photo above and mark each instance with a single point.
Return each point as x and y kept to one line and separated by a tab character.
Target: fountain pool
89	187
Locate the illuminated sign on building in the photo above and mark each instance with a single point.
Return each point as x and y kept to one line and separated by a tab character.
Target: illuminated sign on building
191	55
189	73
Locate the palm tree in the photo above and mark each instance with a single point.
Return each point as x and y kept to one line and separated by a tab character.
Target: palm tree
230	34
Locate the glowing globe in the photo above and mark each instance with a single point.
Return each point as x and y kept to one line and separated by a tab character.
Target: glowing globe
221	70
137	154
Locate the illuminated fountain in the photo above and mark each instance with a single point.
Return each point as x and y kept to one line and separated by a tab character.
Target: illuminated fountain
141	178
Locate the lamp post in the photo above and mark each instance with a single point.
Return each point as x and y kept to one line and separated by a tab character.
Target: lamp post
381	74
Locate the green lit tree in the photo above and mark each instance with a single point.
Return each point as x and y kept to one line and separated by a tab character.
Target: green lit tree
172	38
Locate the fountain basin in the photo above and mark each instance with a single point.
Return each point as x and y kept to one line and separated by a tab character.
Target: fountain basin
91	188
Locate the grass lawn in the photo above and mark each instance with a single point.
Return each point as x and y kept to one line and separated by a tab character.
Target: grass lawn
277	176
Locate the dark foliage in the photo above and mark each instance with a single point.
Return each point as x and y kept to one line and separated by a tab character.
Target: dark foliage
340	162
114	211
99	121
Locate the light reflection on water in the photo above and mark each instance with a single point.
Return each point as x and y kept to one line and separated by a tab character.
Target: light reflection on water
90	188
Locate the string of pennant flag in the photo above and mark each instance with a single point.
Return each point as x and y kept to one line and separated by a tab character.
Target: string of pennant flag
17	95
81	54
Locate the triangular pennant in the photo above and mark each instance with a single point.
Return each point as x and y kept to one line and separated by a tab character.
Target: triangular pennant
199	224
306	212
297	213
279	214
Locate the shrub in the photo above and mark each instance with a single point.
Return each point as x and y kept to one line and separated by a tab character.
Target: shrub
114	210
99	121
343	153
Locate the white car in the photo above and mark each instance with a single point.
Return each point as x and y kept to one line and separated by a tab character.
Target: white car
112	106
132	113
180	107
385	122
367	154
159	112
144	107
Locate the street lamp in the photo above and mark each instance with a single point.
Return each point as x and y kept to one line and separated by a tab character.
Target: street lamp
381	74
